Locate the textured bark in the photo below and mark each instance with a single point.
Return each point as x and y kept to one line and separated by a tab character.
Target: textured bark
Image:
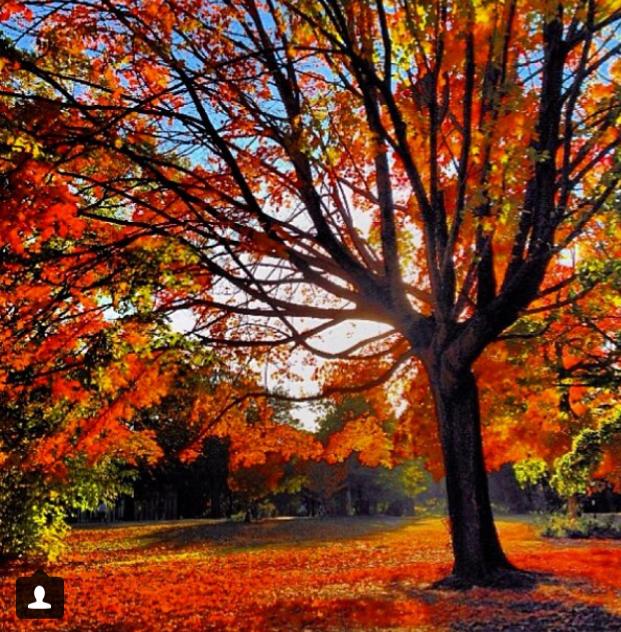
573	506
478	556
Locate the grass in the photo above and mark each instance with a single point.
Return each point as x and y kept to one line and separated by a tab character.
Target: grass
332	574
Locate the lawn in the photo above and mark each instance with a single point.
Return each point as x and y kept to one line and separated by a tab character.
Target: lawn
331	574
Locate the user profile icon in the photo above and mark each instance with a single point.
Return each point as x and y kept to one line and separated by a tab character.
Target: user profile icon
40	596
38	603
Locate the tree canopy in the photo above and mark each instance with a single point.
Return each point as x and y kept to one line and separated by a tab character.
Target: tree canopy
281	168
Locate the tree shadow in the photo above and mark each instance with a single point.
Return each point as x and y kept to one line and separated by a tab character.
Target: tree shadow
505	579
229	535
522	609
537	616
426	610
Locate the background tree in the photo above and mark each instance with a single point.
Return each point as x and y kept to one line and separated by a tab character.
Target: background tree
82	353
422	165
580	354
207	462
364	470
200	484
65	439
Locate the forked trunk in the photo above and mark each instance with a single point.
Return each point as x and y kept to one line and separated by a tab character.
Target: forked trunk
478	556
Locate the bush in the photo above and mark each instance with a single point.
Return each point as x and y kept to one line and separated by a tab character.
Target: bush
32	519
34	508
563	526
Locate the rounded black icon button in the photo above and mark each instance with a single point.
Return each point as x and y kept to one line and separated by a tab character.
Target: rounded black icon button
40	596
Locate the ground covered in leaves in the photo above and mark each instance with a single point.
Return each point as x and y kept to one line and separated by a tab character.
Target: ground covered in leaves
331	574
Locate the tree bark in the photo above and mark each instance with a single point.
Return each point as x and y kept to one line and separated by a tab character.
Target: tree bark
478	555
573	506
216	502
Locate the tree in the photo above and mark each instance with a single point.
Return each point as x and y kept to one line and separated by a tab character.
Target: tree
364	468
206	461
426	166
83	354
581	353
65	443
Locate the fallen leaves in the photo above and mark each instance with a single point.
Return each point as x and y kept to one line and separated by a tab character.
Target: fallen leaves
332	574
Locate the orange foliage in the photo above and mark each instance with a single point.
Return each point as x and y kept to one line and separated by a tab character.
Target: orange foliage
322	575
431	129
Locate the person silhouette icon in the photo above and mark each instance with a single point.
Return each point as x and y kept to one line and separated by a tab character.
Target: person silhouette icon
49	594
38	603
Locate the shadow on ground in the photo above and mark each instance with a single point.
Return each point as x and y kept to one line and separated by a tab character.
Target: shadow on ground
268	533
431	610
535	616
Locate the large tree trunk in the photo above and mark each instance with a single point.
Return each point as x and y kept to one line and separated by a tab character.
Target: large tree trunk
478	556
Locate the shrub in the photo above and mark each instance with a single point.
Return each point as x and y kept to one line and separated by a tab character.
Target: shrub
563	526
32	519
34	508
